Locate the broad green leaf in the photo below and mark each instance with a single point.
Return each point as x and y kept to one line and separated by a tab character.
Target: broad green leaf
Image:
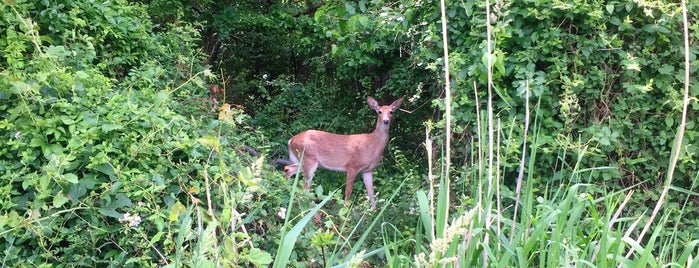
57	51
225	113
364	20
155	238
259	258
425	216
59	199
197	81
610	8
319	14
209	141
106	128
350	9
110	212
669	121
161	97
121	201
288	239
205	263
666	69
70	177
175	211
106	169
486	57
362	6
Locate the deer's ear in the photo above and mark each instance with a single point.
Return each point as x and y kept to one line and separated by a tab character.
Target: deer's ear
373	104
396	104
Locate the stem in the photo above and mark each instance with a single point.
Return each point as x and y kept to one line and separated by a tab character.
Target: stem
447	101
486	238
676	148
520	176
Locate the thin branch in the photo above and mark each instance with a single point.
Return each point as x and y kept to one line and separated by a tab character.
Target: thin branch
677	147
491	132
520	176
447	101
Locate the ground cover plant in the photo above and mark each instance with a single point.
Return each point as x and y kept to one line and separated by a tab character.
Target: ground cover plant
152	133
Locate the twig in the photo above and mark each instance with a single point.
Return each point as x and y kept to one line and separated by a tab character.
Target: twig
160	254
520	176
677	147
490	113
447	101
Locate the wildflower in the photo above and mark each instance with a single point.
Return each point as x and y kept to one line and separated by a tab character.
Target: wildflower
282	213
207	73
132	221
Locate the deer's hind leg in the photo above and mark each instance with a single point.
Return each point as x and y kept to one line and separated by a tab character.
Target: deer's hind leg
309	167
351	175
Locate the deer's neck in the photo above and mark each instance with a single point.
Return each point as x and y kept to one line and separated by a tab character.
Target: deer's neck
380	134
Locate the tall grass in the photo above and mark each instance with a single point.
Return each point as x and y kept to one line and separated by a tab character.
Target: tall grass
348	253
571	223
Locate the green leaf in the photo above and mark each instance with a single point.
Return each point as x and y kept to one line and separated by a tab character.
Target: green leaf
425	217
205	263
666	69
350	9
259	258
106	169
209	141
106	128
161	97
610	8
364	20
175	211
59	199
288	239
319	14
197	81
662	30
70	177
109	212
155	239
57	51
121	201
669	121
362	5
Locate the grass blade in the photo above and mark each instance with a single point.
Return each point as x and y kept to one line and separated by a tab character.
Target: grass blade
289	238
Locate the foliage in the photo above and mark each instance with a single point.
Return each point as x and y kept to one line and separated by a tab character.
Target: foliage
120	150
598	69
111	37
100	167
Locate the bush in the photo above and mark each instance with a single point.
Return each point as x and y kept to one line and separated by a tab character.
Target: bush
102	167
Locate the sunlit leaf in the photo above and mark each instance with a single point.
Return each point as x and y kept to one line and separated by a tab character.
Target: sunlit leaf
175	211
259	258
209	141
70	177
59	199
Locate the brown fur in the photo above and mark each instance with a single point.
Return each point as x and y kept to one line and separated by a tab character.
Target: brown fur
354	154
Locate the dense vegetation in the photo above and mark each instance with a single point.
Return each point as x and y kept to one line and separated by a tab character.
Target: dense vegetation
146	133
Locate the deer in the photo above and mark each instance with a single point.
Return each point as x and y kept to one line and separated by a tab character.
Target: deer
353	154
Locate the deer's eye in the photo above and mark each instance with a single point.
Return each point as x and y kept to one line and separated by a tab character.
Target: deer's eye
379	111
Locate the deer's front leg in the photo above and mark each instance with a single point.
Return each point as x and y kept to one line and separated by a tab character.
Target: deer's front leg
369	184
351	175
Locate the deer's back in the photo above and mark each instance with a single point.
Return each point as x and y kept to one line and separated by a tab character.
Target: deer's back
336	151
